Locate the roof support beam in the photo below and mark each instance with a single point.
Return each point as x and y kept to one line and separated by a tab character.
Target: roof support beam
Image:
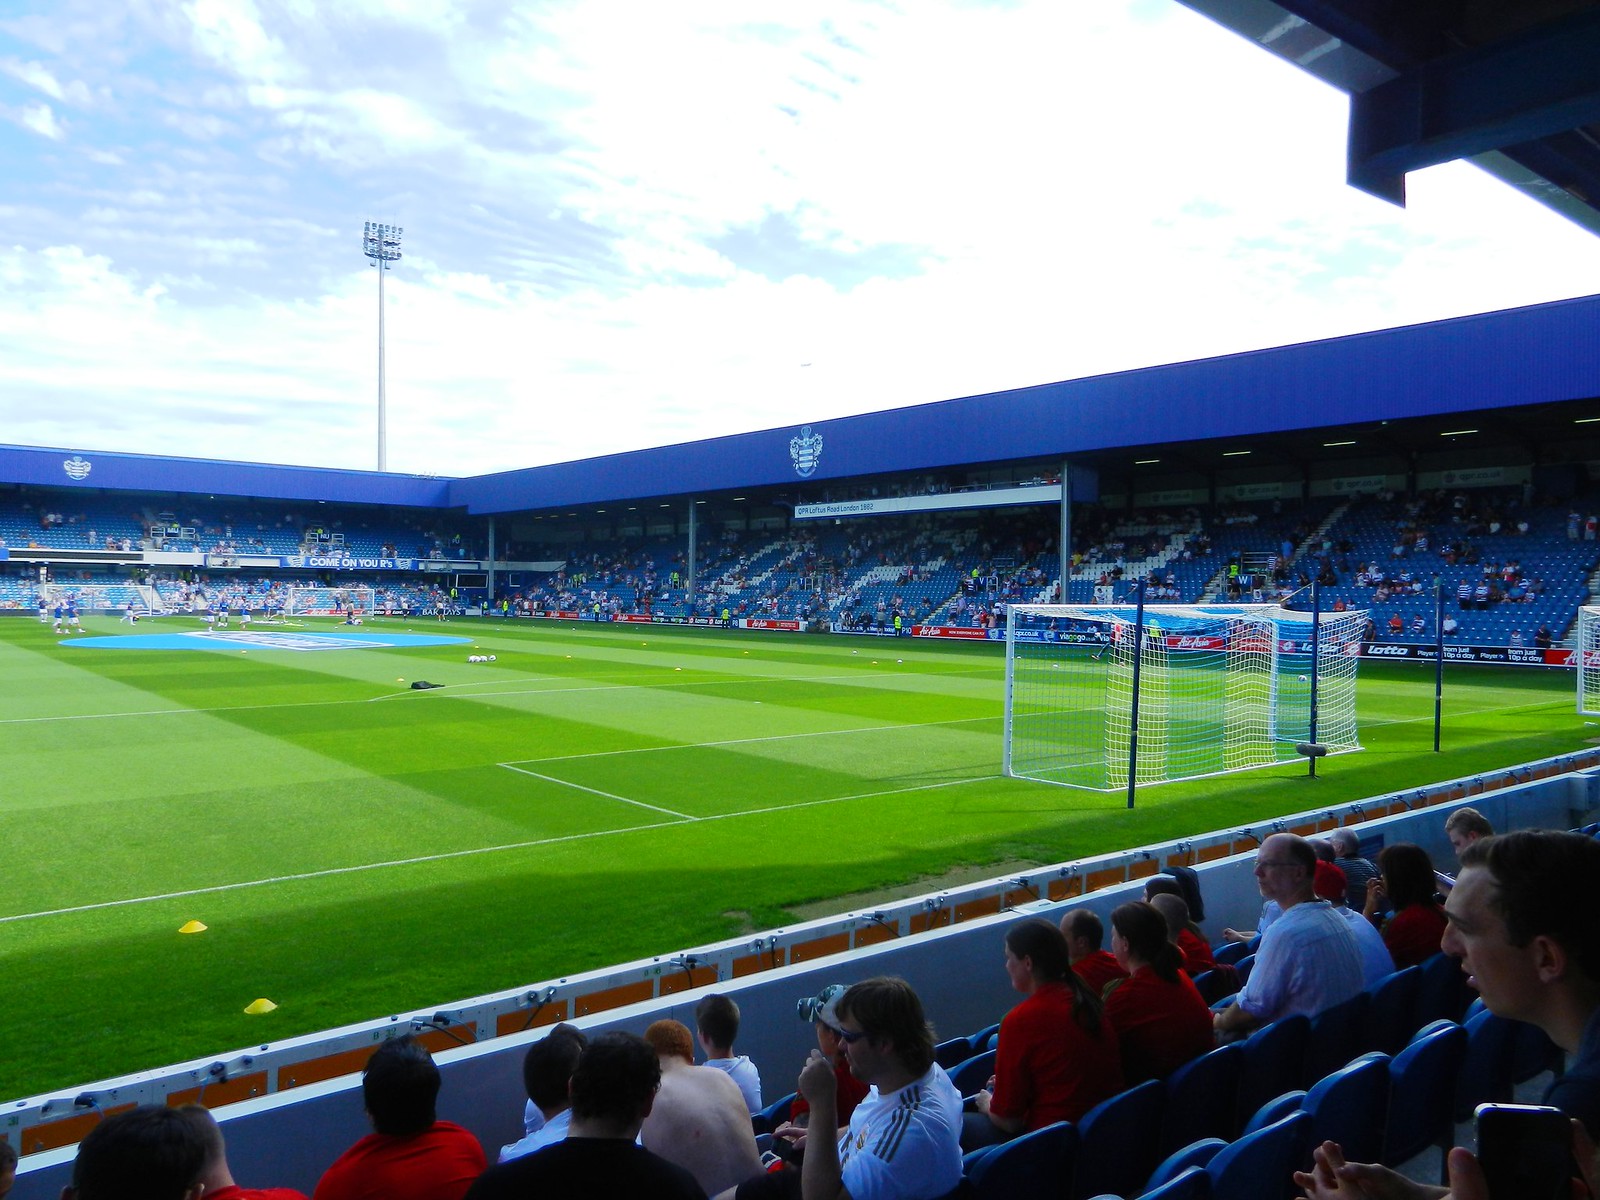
1544	82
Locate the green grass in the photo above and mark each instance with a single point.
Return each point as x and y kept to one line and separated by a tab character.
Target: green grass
368	853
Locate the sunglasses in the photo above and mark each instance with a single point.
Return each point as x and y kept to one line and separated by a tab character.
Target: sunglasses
849	1037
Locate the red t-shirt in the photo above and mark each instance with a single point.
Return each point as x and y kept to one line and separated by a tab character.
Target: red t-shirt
1197	955
437	1164
235	1192
1048	1068
1097	969
1413	934
1159	1025
851	1092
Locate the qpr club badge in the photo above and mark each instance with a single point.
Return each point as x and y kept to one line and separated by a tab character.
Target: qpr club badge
805	449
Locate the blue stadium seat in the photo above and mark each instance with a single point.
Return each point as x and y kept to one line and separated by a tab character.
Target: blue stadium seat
1034	1166
1390	1020
1118	1141
970	1076
1442	993
1336	1037
1272	1062
1261	1166
1486	1068
952	1052
1422	1092
1202	1098
773	1115
1351	1106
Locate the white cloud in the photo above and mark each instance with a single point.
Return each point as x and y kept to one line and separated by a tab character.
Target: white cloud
41	118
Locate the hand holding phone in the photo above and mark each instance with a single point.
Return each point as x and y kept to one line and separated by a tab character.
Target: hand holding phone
1525	1151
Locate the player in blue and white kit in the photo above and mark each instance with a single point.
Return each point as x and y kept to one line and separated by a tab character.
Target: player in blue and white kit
72	615
220	608
60	615
44	611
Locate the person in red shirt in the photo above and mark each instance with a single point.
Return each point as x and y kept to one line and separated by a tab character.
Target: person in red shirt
1406	885
411	1155
1160	1018
822	1010
1184	934
1085	936
215	1175
1057	1056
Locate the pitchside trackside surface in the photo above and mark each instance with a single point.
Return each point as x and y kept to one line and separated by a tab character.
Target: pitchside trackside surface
357	847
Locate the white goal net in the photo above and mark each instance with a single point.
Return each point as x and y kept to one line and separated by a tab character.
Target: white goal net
104	597
1214	689
1586	658
327	601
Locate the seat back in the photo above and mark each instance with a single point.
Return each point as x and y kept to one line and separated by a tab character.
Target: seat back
1442	993
1351	1106
773	1115
1390	1019
970	1076
1222	980
1201	1098
1422	1092
952	1052
1336	1037
1272	1062
1119	1141
1486	1068
1031	1167
1190	1184
1261	1165
1230	952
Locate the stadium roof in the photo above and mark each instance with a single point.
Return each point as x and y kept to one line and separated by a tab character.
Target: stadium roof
1517	377
1511	85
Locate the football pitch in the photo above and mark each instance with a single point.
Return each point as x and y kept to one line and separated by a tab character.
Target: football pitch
597	794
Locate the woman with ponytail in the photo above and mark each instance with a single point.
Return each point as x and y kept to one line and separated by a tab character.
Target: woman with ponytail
1057	1056
1160	1018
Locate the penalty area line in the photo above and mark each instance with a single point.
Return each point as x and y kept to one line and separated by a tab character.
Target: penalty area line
597	792
534	843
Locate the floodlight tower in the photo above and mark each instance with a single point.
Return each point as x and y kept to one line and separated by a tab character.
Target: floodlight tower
381	243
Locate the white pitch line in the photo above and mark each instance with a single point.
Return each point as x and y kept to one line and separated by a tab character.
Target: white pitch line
722	681
449	854
597	792
774	737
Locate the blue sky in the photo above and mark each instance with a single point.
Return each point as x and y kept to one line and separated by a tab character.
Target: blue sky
628	224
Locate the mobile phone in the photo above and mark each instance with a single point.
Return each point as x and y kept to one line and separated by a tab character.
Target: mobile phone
1525	1151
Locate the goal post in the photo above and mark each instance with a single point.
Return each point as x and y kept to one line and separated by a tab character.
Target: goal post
1220	688
327	601
1586	660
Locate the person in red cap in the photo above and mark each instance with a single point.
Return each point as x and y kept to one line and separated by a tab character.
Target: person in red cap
1331	885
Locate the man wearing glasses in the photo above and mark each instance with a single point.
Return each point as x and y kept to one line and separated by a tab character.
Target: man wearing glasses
904	1139
1308	959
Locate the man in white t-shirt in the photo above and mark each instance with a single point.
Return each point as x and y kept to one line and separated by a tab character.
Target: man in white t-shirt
716	1020
546	1073
904	1140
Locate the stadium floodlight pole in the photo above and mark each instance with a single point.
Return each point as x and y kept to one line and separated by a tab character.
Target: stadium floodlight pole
381	243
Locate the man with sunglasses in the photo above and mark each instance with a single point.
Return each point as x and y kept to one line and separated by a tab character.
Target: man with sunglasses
1309	959
903	1140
